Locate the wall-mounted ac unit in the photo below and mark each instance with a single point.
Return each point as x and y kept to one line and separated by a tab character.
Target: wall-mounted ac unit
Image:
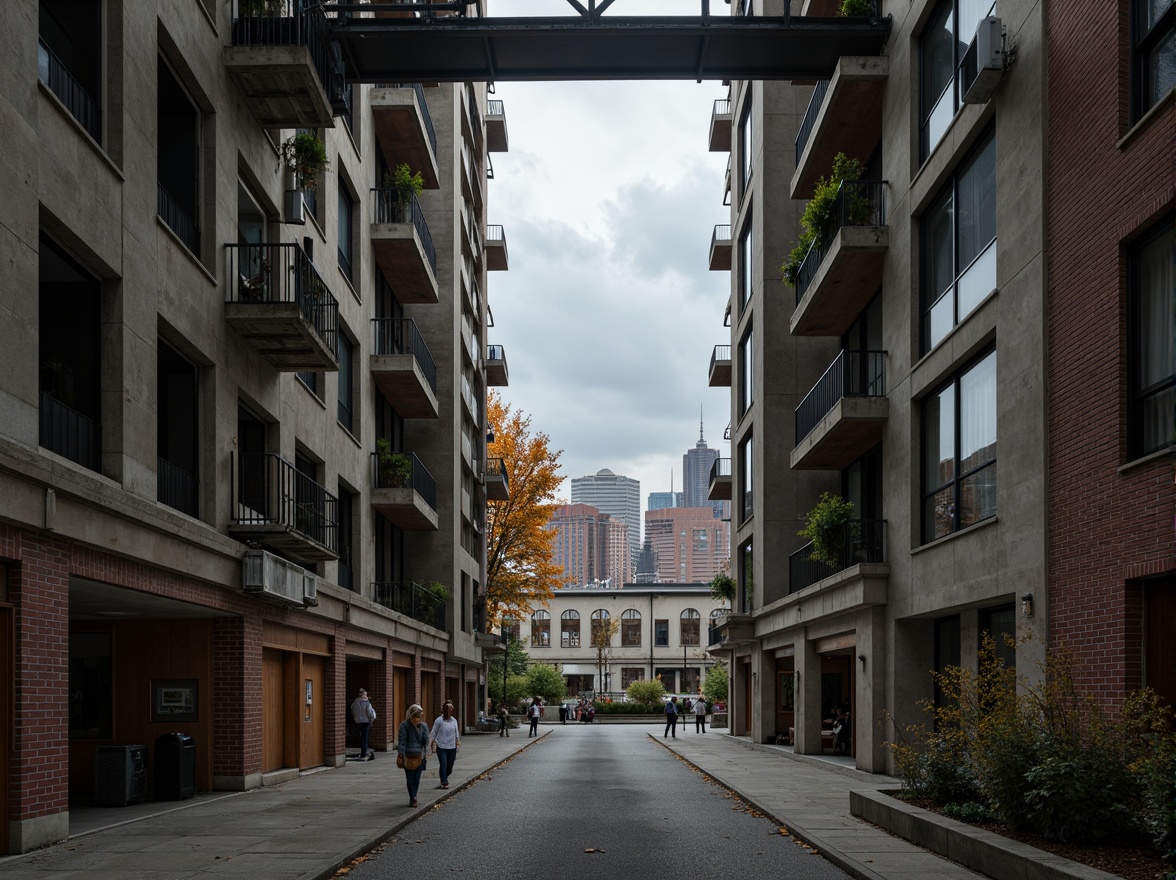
984	62
293	208
274	579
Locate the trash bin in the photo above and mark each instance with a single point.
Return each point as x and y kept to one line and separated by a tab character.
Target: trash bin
175	767
120	775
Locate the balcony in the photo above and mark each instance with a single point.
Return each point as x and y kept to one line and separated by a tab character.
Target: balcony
404	492
843	268
69	433
471	179
496	371
844	116
497	480
720	480
720	126
731	631
720	249
720	367
403	246
176	488
281	509
495	245
863	544
282	65
403	369
496	137
60	80
412	600
404	129
843	416
470	402
280	304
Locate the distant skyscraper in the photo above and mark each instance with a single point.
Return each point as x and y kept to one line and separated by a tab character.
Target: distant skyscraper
662	500
689	544
591	546
619	497
696	468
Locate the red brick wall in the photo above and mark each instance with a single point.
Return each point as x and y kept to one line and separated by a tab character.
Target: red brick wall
1106	527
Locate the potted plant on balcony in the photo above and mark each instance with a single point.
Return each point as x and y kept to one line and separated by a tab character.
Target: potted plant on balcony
394	469
722	587
405	185
826	526
305	157
856	8
819	221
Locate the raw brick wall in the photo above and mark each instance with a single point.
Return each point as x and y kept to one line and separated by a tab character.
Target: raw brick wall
1106	527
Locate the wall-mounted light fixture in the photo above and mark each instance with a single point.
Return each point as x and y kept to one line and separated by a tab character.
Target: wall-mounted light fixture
862	658
1027	605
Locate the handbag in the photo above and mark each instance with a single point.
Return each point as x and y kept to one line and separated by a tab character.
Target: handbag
412	762
400	761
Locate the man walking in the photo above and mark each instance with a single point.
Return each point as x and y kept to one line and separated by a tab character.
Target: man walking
671	718
533	712
700	715
363	715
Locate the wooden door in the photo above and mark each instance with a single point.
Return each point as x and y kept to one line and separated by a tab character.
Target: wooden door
7	695
429	695
746	700
312	730
402	694
1160	633
273	713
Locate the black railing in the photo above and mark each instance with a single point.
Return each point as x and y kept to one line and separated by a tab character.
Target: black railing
268	490
721	353
810	117
70	434
394	206
720	467
713	634
282	273
419	92
175	487
496	467
177	219
495	107
722	107
403	470
401	336
475	114
495	233
302	27
862	540
61	82
411	600
859	203
496	353
852	374
721	235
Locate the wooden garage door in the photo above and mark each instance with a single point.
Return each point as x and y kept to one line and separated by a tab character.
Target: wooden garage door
273	710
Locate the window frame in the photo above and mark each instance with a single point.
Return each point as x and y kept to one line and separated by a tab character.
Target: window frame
346	412
630	628
687	620
746	265
596	621
1138	298
345	230
959	52
541	629
746	143
569	636
1145	41
746	478
661	633
746	370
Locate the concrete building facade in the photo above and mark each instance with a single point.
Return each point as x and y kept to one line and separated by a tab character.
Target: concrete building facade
243	420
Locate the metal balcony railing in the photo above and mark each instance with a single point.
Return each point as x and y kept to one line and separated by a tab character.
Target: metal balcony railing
810	117
475	114
496	467
720	467
175	487
411	600
294	26
416	477
495	233
282	273
177	219
495	107
721	353
401	336
70	434
495	353
722	107
394	206
862	540
721	235
852	374
268	490
859	203
61	82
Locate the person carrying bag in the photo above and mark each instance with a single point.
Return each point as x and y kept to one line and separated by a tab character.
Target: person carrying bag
412	743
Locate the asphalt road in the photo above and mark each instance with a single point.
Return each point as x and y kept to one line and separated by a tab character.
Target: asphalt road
592	801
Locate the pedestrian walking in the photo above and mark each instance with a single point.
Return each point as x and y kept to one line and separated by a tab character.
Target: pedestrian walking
671	719
446	735
700	715
563	713
412	743
363	714
533	713
503	721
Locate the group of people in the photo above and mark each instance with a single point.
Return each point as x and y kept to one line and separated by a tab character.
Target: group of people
695	707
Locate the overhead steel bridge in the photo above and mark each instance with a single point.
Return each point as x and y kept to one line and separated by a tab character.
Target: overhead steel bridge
451	42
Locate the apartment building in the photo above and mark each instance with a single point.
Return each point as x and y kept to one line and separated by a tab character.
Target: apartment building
592	547
243	434
662	630
618	496
905	370
689	544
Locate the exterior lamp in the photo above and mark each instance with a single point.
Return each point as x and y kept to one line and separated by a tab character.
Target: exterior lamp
1027	605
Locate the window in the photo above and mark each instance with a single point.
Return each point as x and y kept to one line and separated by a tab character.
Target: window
746	371
700	540
631	629
1001	624
176	446
1154	57
690	624
91	686
661	633
947	652
511	629
569	629
346	578
347	408
602	629
745	143
346	229
541	629
311	380
630	674
1152	280
746	448
1159	621
310	196
746	578
178	159
69	58
959	245
959	451
746	264
944	43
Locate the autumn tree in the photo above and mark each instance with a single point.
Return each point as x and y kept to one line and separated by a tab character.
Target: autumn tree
520	567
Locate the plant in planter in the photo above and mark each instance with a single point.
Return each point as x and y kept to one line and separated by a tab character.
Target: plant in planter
394	468
305	156
858	8
437	590
404	183
825	525
819	222
722	587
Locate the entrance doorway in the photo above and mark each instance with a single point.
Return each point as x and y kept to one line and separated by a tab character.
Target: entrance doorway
293	717
7	677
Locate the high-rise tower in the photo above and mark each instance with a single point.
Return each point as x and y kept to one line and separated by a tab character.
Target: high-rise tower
619	497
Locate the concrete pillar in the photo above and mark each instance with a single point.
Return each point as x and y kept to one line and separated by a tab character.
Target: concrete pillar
808	699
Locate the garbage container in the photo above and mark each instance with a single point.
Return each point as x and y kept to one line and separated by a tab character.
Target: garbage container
120	775
175	767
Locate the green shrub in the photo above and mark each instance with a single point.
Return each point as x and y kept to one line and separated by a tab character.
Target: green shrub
647	691
714	688
971	811
722	587
404	182
629	708
546	680
306	156
819	222
825	525
857	8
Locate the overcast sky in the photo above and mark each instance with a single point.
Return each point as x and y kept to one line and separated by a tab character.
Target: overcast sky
608	313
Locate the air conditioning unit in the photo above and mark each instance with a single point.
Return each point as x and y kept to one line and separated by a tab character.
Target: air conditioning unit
293	208
274	579
984	62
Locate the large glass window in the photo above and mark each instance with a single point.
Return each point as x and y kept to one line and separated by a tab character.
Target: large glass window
745	143
631	629
69	58
746	578
541	629
1153	341
1154	57
347	560
178	158
959	245
746	265
959	451
601	626
346	229
944	43
569	629
176	445
346	386
746	371
745	479
690	624
661	633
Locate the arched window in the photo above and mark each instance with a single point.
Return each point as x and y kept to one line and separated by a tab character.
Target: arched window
511	628
569	629
541	629
602	628
631	629
690	626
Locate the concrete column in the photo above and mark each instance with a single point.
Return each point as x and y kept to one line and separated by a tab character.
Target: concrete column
808	698
868	714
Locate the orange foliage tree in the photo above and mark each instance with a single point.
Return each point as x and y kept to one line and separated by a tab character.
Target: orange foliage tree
520	569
